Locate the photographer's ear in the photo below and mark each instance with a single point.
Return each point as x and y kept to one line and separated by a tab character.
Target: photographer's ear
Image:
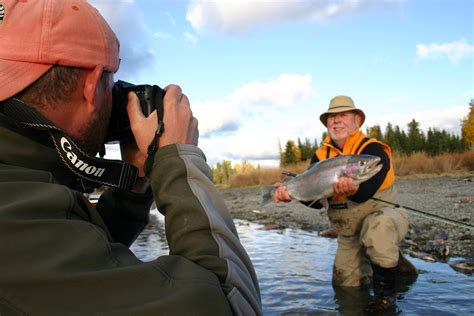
92	85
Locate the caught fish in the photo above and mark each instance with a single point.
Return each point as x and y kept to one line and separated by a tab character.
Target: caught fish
316	183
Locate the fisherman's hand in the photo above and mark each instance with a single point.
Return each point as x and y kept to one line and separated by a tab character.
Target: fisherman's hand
281	193
180	126
345	186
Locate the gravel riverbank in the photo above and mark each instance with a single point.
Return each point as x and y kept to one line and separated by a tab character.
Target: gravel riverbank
447	197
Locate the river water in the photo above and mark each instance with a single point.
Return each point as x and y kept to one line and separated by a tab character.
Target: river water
294	269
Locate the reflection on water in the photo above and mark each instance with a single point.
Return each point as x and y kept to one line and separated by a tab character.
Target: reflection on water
294	268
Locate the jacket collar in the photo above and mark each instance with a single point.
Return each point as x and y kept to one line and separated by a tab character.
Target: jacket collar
32	141
30	148
352	140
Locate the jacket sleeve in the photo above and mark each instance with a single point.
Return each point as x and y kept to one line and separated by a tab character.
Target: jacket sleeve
59	258
125	213
198	225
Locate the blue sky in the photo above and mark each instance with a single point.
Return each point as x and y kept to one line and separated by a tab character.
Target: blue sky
258	71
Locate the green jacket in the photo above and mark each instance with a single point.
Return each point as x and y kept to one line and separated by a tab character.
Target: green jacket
61	256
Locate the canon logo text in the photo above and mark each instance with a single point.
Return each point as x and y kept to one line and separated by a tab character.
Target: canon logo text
76	162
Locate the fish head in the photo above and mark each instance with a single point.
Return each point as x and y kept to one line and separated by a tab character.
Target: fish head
362	167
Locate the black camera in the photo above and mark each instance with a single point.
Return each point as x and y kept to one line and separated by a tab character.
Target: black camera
151	98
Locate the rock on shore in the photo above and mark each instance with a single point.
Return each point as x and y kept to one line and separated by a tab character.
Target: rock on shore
448	197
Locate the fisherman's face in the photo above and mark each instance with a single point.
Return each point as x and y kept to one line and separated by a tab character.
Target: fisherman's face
340	125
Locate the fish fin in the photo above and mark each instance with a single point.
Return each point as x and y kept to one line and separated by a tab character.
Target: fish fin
267	195
311	204
289	174
325	203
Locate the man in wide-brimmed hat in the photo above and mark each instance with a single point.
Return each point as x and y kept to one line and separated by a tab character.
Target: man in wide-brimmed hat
369	231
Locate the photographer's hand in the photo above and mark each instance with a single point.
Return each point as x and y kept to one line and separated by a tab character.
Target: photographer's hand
180	125
131	154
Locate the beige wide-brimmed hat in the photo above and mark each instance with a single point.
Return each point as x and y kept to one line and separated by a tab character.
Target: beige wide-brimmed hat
341	103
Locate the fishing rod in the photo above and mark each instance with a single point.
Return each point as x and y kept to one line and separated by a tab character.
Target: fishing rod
429	215
422	213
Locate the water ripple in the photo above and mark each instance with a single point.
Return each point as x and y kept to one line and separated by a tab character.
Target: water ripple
294	268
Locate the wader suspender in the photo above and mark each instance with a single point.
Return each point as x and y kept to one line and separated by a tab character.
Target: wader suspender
365	140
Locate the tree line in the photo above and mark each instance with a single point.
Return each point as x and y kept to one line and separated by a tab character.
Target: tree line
222	172
434	142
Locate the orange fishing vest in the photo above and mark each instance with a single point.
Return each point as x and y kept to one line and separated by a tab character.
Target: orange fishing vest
354	145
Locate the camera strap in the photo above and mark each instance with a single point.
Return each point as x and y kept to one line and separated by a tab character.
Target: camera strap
153	147
112	173
87	169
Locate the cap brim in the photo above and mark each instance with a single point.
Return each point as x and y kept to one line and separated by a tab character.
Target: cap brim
16	76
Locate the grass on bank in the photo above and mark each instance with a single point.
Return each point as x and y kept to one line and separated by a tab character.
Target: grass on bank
416	165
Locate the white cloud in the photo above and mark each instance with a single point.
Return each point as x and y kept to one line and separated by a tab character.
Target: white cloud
126	19
249	122
170	18
283	91
257	138
254	143
216	117
224	117
454	51
233	17
190	38
163	35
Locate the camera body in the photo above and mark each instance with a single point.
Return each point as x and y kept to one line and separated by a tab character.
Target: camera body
151	98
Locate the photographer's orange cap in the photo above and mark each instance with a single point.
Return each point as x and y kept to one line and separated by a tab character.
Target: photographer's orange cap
37	34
